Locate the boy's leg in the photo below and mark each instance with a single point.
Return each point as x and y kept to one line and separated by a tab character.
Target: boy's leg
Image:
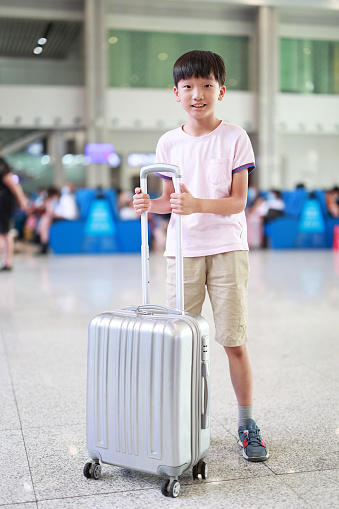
241	373
254	448
227	281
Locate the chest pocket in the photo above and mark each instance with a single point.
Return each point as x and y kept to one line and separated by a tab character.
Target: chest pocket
218	171
219	178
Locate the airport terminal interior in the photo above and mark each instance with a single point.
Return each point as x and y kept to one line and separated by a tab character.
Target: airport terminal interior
85	93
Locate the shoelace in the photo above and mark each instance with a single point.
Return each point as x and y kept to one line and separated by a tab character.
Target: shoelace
253	437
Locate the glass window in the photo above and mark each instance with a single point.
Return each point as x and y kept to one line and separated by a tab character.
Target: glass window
309	66
145	59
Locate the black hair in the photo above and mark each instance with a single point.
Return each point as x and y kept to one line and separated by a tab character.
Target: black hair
200	64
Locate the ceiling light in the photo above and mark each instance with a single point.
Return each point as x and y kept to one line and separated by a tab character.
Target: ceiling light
37	50
42	41
163	56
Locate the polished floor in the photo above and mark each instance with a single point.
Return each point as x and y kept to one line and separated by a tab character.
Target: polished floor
45	307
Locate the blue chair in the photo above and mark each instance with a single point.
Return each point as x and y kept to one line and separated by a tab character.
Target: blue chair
129	236
294	202
282	233
66	236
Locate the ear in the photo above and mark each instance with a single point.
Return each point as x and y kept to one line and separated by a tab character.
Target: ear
176	94
222	93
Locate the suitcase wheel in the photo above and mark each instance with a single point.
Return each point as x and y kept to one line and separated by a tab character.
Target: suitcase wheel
87	470
164	487
204	470
92	470
170	489
200	468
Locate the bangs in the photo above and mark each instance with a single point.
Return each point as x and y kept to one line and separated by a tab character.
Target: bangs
199	64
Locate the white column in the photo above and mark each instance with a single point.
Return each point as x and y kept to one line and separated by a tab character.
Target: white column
95	85
268	87
57	149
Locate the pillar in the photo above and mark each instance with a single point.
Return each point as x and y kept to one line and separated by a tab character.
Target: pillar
57	149
95	86
268	88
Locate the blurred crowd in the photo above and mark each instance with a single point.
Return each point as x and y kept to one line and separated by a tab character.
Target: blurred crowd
36	213
50	205
46	206
262	208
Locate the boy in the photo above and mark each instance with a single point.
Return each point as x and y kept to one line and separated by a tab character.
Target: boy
215	159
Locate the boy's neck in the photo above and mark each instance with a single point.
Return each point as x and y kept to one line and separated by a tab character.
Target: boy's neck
200	128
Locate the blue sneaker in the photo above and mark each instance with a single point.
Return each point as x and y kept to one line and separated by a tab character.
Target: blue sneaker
254	448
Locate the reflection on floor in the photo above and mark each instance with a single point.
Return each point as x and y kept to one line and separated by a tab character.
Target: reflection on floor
45	307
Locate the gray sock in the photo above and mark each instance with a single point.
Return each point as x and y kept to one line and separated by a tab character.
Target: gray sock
244	413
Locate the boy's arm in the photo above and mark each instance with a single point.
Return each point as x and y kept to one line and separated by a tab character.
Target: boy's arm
185	203
143	203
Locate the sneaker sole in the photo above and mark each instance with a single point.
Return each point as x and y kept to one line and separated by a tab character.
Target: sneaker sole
253	459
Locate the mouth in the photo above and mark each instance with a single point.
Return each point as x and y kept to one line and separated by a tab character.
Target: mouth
198	106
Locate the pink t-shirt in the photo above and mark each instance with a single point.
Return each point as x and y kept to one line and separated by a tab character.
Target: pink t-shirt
207	164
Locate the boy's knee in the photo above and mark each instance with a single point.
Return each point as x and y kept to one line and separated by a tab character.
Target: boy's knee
236	351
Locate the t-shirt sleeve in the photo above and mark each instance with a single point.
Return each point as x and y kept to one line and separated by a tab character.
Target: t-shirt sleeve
243	154
161	157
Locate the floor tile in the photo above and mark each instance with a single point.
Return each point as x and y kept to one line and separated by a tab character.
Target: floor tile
25	505
298	444
9	417
5	377
273	494
15	480
57	457
320	489
50	404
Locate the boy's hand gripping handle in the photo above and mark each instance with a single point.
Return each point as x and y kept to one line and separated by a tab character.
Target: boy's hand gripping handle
168	168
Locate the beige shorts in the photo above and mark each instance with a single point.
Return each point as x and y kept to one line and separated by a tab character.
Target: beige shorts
225	276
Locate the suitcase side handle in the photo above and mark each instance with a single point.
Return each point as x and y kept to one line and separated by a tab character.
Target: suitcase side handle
146	170
205	396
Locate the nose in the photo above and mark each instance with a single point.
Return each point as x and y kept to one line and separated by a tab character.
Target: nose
198	93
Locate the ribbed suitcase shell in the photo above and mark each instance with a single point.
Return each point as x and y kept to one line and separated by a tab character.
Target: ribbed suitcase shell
147	389
148	380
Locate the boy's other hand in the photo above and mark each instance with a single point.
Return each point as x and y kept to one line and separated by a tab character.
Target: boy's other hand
141	201
183	203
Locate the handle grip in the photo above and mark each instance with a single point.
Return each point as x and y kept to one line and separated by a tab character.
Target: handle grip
152	309
146	170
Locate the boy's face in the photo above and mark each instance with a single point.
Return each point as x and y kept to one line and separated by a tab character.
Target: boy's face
199	96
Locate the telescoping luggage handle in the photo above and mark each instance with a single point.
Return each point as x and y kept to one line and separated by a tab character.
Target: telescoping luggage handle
168	168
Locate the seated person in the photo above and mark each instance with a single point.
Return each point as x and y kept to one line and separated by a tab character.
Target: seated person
67	207
271	207
332	199
47	218
125	206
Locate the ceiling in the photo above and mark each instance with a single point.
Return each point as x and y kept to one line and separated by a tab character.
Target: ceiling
19	37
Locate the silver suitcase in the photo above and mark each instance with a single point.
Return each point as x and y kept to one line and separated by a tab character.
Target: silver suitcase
148	381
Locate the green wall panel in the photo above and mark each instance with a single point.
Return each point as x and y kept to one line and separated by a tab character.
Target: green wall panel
309	66
145	59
